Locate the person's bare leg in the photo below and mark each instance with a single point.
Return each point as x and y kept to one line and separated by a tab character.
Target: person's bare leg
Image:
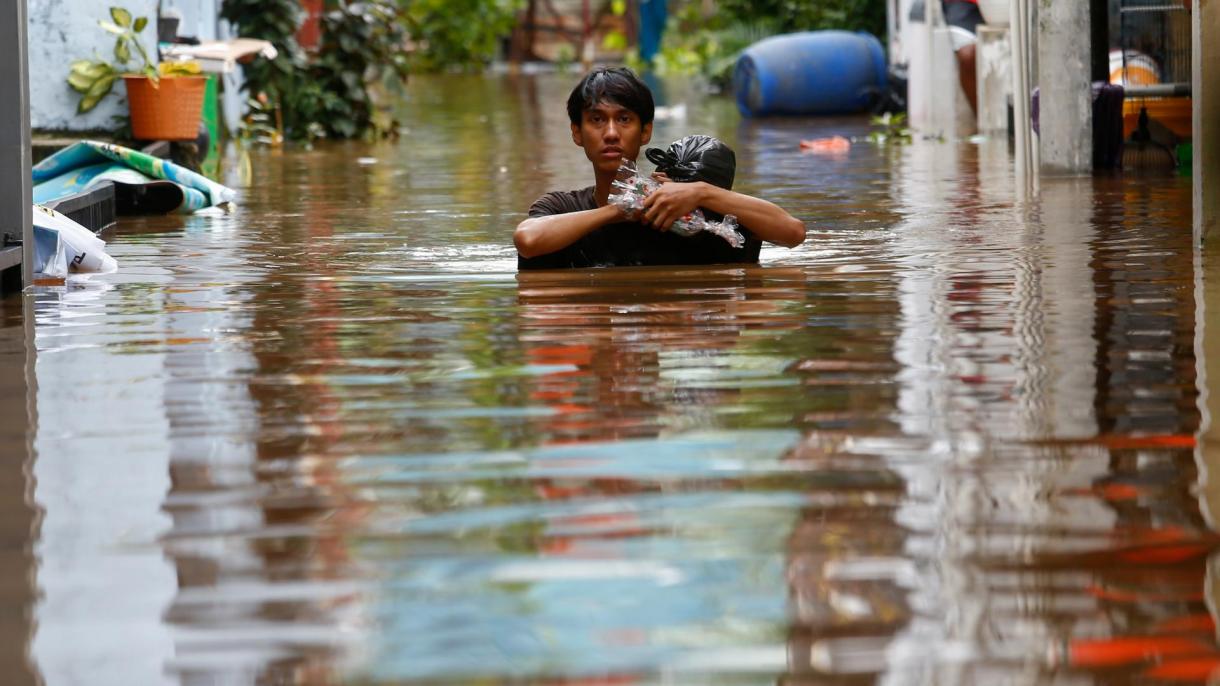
966	73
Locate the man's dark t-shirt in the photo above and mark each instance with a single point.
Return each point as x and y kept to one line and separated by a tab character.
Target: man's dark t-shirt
629	244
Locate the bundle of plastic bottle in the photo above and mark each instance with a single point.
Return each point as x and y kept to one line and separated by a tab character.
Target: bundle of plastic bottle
633	187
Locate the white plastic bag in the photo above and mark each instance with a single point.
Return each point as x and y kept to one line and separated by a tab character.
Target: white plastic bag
78	251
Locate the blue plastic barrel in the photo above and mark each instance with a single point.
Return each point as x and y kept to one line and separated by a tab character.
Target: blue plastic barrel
815	72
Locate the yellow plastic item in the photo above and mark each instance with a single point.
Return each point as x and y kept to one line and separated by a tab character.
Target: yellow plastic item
185	68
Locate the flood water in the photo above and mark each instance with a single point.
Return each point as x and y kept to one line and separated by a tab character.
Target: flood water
335	437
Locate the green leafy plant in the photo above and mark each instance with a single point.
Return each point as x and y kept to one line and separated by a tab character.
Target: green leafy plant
362	49
94	78
893	129
784	16
616	39
565	57
709	44
259	125
333	93
457	34
272	81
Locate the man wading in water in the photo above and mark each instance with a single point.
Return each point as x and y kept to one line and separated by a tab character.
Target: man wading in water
611	113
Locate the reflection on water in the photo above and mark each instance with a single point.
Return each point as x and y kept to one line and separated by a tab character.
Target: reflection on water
336	438
18	515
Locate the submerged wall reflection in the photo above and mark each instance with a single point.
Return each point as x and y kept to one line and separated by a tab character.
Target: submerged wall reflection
19	516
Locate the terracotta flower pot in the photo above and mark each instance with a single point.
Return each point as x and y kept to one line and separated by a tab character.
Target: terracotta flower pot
166	111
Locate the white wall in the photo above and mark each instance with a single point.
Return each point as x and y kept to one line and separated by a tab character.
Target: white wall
61	31
199	17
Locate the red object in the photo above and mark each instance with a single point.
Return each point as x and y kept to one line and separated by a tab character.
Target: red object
1120	442
309	36
1200	623
835	145
1194	670
1126	650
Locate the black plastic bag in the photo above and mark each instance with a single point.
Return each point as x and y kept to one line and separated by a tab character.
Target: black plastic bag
696	158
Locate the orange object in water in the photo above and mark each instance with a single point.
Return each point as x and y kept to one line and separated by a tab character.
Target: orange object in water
835	145
1197	669
1200	623
1127	650
1111	492
168	110
1117	492
1121	595
1165	554
1121	442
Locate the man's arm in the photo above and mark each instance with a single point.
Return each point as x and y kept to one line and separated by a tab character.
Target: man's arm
544	235
764	219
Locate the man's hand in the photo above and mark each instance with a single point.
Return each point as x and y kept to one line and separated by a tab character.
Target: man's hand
543	235
671	202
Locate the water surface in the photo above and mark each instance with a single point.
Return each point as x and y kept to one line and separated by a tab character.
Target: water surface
335	437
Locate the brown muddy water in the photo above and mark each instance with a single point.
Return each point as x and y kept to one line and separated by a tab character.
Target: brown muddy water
336	438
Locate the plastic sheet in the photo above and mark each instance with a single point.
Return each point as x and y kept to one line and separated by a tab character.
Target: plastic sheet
85	165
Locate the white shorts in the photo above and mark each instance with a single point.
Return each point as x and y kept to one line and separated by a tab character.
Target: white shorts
961	38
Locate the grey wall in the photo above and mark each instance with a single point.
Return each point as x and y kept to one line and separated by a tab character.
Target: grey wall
1206	126
199	17
1066	101
61	31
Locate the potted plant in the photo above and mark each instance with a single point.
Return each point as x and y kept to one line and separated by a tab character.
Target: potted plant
165	101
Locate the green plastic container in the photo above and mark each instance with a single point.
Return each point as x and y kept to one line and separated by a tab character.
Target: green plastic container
211	119
1186	158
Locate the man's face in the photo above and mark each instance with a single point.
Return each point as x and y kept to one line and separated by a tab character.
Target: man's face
610	133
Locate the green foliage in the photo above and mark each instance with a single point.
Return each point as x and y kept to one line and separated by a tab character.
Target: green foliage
361	47
258	125
276	21
893	129
695	44
785	16
565	57
457	33
95	78
333	92
710	45
616	40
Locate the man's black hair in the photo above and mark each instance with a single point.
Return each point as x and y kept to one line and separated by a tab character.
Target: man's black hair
616	85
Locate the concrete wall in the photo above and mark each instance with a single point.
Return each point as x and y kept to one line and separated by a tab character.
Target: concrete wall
199	17
1066	109
1206	87
1206	120
15	193
61	31
994	60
